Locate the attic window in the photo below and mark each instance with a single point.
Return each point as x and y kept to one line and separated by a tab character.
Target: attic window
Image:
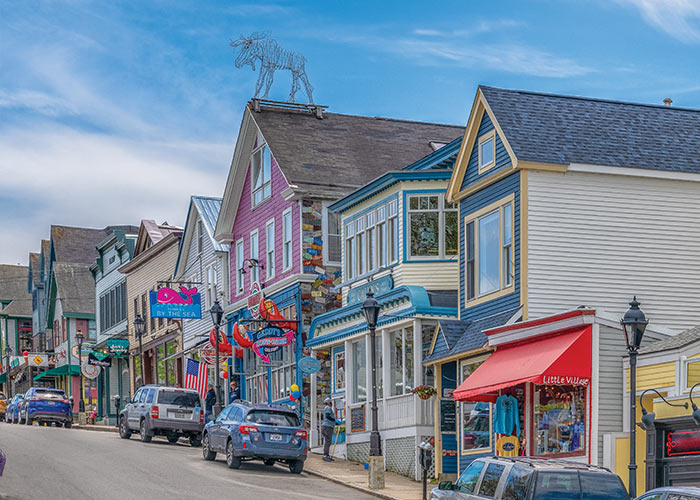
487	151
261	167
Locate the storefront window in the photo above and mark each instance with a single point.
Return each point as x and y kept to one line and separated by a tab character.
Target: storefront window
137	371
339	371
401	342
560	415
359	369
476	417
170	349
161	364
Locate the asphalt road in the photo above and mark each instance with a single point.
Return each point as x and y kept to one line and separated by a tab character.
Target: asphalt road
48	463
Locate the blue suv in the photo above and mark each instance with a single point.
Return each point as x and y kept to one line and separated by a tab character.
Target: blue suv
244	431
12	410
46	405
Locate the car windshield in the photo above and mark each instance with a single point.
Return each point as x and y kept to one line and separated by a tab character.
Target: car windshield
179	398
271	417
48	394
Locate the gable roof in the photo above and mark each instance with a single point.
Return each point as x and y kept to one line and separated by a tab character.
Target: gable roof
75	244
679	341
76	288
207	210
34	269
151	233
330	157
561	129
13	289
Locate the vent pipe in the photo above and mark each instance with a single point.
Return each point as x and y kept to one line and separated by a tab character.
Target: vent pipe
668	102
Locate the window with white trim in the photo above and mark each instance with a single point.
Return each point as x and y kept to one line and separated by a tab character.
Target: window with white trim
287	239
240	285
487	151
432	227
349	251
270	250
332	238
255	254
489	250
261	169
392	237
200	236
402	359
212	278
359	361
475	421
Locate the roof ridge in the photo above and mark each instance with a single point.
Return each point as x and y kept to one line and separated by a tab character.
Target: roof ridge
596	99
199	197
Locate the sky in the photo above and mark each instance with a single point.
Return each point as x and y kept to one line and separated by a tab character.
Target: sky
113	112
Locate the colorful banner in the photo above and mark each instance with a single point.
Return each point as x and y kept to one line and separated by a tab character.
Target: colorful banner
278	333
168	303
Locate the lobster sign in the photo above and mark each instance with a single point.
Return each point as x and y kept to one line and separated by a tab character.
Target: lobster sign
280	332
169	303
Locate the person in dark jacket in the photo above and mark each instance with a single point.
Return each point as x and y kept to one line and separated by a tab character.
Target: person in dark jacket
209	402
327	426
234	393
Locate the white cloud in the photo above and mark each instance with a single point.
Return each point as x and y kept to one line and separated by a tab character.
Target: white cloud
38	102
677	18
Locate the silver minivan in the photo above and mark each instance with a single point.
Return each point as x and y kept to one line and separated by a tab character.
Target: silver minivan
163	411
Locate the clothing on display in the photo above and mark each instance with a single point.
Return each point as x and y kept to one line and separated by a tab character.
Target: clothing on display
507	417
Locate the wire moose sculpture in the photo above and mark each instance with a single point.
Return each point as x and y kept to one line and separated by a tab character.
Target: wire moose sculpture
258	47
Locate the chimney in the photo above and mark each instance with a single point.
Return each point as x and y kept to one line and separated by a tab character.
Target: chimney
668	102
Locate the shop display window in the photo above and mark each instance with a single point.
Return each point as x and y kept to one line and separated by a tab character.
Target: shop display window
475	417
559	419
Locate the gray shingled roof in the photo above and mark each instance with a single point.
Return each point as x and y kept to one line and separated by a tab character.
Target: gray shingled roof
675	342
13	287
567	129
77	244
340	153
76	288
35	264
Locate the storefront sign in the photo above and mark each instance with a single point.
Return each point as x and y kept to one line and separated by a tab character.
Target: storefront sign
98	359
447	393
90	371
118	347
256	294
357	419
563	380
207	353
378	286
449	453
309	365
83	350
168	303
448	416
683	443
270	339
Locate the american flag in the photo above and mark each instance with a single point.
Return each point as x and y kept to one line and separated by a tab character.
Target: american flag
196	376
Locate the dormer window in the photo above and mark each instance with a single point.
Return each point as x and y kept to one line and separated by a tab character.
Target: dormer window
261	167
487	151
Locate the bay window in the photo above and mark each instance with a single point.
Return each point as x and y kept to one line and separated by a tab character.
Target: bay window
432	223
261	169
402	355
489	250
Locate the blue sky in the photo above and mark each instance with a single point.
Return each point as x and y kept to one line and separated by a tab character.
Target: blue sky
111	112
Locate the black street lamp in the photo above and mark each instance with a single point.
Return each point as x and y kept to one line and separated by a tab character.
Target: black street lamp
696	411
80	338
371	308
216	314
633	325
8	383
649	417
139	330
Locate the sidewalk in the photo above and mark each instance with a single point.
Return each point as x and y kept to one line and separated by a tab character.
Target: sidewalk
354	475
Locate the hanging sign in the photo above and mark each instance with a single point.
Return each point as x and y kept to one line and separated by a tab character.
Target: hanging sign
35	359
118	347
98	359
278	332
683	443
168	303
256	294
207	353
90	371
85	350
309	365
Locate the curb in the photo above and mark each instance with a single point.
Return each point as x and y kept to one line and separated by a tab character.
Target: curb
98	428
353	486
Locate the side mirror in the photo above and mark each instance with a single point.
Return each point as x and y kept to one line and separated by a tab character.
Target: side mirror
445	485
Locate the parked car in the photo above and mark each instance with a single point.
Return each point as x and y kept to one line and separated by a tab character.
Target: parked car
163	411
12	412
244	431
3	405
672	493
45	405
529	478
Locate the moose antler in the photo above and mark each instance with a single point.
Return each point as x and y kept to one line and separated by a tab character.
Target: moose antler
258	35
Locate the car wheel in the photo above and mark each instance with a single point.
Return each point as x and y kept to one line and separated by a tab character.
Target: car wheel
195	441
269	462
124	431
232	461
58	424
296	466
206	452
68	424
145	435
172	437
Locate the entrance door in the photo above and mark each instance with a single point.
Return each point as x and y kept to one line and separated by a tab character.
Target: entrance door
673	453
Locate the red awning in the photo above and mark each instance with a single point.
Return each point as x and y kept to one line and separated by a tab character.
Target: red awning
562	359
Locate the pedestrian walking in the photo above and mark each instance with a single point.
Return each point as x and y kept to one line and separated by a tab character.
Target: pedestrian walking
327	428
234	393
209	402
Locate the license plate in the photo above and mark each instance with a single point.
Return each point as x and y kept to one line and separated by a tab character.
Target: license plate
52	403
180	415
275	437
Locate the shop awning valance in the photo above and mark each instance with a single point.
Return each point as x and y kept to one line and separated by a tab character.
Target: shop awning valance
561	359
61	370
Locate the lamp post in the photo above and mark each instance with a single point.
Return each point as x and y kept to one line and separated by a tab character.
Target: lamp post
139	329
633	325
8	382
371	308
216	313
80	338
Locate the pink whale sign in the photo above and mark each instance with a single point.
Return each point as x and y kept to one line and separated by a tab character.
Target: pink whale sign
169	303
